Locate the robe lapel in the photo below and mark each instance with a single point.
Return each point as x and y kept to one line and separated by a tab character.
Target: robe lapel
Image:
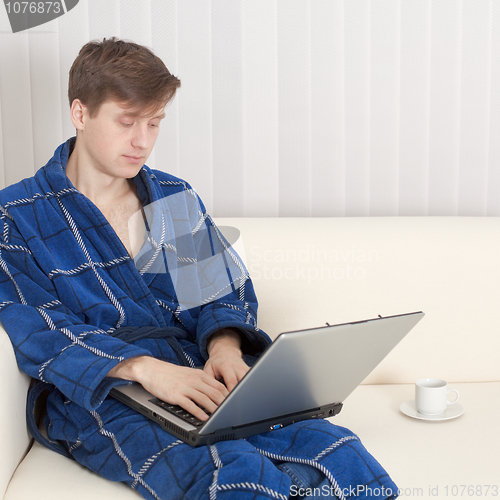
95	240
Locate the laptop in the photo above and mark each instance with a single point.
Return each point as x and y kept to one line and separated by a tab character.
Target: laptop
303	374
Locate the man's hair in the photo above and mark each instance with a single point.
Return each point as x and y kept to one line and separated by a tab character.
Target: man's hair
126	72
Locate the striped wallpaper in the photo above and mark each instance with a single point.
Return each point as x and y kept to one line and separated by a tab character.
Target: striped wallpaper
289	107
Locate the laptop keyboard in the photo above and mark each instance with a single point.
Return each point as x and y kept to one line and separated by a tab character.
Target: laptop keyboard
178	411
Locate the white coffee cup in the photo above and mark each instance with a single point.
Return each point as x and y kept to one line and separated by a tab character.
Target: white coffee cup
431	396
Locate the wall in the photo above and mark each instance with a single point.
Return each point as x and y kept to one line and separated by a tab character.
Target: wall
289	107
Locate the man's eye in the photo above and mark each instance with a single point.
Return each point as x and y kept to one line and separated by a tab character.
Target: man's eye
127	124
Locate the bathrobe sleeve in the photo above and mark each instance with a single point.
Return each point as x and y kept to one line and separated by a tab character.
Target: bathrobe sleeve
236	307
51	343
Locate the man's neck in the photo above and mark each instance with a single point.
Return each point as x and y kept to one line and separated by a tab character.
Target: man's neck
98	187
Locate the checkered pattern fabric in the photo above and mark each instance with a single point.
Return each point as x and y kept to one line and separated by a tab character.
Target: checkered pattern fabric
67	284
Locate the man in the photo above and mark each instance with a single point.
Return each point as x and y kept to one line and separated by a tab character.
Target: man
91	301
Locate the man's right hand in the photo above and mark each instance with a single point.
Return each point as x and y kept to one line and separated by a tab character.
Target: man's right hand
178	385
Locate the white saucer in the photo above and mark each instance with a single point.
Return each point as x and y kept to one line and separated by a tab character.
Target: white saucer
453	411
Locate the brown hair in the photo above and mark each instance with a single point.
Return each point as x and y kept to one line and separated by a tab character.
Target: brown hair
122	71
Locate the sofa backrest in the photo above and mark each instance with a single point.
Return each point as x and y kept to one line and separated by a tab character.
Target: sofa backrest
309	271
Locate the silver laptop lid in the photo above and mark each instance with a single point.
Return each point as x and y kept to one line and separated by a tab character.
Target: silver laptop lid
311	368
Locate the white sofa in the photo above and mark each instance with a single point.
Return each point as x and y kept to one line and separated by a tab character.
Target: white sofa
311	271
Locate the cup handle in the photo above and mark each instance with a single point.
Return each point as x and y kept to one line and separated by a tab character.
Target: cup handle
456	399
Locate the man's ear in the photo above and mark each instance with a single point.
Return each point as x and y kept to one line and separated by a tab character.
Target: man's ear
79	114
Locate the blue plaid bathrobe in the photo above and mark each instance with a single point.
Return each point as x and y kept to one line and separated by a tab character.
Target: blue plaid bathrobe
68	288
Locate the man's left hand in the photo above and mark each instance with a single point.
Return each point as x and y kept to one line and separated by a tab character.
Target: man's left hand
225	361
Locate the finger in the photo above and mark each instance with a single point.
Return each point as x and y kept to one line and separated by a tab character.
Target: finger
211	391
209	370
193	408
242	370
230	379
217	386
215	395
212	372
235	375
204	400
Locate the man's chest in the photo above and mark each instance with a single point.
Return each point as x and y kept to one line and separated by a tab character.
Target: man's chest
127	221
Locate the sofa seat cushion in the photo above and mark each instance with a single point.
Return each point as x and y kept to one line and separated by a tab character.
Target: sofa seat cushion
46	475
425	459
430	459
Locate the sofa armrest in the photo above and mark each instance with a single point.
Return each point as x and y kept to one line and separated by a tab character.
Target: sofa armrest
14	434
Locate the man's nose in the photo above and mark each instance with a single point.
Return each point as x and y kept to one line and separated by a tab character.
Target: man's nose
140	137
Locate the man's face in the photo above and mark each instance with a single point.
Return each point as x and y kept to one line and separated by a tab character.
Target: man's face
117	141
